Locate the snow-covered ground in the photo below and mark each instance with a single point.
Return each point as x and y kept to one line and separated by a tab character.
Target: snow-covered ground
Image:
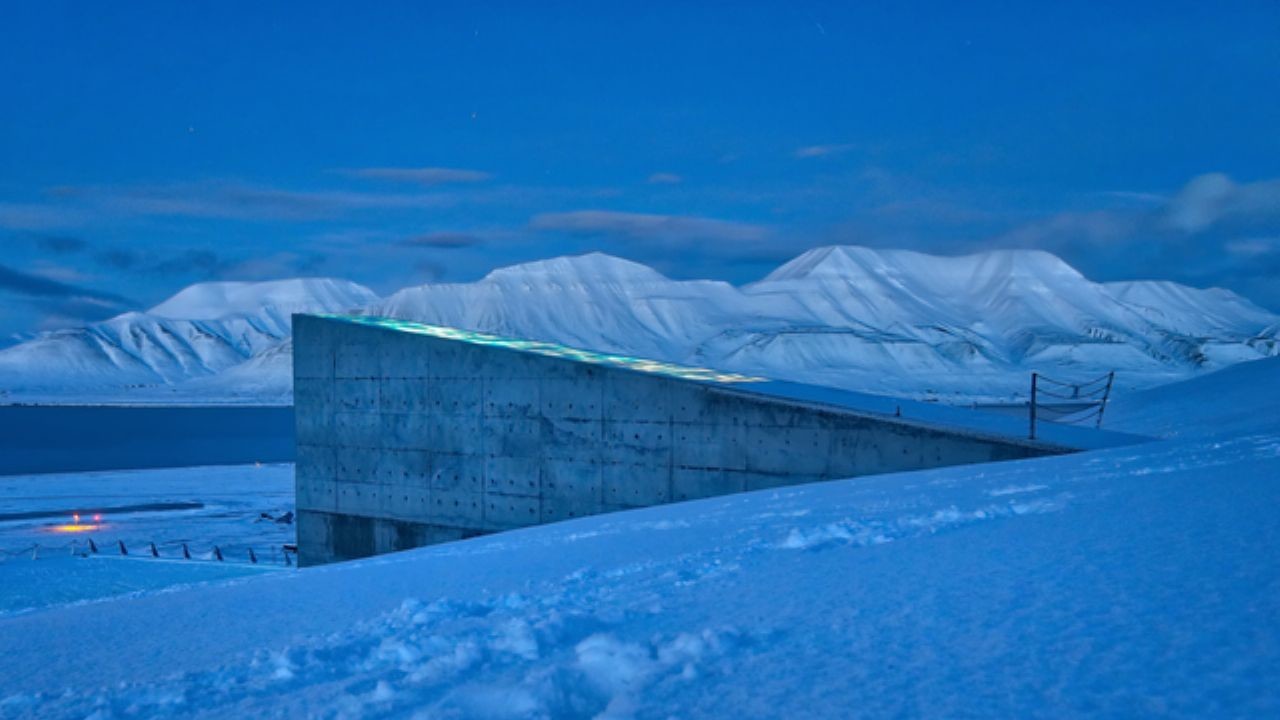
203	507
1228	401
956	329
1133	581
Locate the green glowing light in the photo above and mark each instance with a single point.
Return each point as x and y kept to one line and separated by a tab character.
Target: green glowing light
550	349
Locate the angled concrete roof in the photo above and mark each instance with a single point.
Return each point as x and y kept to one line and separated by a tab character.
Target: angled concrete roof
975	422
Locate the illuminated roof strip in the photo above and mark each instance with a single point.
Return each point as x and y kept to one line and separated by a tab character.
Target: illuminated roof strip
550	349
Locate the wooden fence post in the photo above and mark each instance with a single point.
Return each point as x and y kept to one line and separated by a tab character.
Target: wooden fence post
1033	406
1105	395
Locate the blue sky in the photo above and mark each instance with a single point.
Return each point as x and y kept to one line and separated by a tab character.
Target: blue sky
145	146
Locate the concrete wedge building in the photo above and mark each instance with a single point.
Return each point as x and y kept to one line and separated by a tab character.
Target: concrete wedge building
412	434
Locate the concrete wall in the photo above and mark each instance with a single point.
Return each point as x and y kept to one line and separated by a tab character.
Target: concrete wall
407	440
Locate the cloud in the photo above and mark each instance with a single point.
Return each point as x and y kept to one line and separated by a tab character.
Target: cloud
1200	203
184	263
117	258
665	178
1213	231
817	151
420	175
1254	247
218	200
1209	208
108	206
444	240
55	271
647	227
40	287
81	206
1130	196
244	202
1215	198
29	216
1091	229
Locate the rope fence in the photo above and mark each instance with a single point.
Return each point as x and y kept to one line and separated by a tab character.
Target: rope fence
284	555
1072	403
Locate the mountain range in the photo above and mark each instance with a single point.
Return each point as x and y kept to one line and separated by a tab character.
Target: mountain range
958	329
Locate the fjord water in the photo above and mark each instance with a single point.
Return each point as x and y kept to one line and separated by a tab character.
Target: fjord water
72	438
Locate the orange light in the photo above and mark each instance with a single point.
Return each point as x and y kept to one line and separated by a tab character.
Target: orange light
74	528
96	518
76	518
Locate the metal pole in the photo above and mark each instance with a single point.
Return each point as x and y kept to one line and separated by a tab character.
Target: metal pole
1033	406
1105	394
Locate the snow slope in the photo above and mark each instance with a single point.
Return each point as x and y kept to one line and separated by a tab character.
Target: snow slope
203	330
1223	402
1129	582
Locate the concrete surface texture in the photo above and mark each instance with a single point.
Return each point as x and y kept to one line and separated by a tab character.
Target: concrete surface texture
407	439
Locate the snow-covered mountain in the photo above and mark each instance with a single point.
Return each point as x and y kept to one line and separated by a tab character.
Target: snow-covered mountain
593	301
888	321
202	331
895	322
